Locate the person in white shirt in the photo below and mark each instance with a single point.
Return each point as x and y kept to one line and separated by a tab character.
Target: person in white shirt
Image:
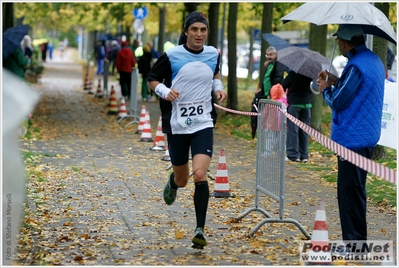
185	77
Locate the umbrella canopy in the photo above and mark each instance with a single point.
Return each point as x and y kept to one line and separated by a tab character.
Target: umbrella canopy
304	61
275	41
12	38
371	19
37	42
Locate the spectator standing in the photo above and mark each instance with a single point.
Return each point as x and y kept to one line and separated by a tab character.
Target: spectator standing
299	98
26	46
274	73
125	62
43	48
114	53
184	78
356	101
50	49
155	56
100	56
144	65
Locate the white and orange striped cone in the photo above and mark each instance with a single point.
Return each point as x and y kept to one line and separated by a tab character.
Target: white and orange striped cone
222	188
159	142
166	156
122	109
90	90
86	85
113	103
99	92
142	119
146	133
319	239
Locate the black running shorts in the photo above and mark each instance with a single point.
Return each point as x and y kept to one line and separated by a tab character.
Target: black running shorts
179	145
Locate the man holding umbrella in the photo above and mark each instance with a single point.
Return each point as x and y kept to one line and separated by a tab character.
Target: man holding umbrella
356	100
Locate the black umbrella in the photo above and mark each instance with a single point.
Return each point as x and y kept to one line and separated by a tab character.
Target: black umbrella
12	38
254	119
275	41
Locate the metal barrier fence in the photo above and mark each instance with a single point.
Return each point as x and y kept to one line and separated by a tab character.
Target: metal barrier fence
270	162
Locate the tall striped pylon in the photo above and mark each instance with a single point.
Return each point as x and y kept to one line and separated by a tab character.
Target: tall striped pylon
166	157
146	133
159	142
86	85
99	92
222	188
113	103
319	239
142	119
92	90
122	109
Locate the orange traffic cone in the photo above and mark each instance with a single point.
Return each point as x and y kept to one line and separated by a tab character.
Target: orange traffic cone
113	103
99	92
122	109
166	156
86	85
222	188
319	251
146	133
90	90
159	142
142	120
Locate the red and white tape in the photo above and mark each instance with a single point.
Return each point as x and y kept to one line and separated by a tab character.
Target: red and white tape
235	111
352	157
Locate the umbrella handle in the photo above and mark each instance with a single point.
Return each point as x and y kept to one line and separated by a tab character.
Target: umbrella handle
332	57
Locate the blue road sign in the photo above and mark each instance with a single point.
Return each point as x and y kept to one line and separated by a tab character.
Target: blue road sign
140	13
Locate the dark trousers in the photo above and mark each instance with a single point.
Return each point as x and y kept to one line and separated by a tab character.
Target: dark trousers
352	200
297	139
125	80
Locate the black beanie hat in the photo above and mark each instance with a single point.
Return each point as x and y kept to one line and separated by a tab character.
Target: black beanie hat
194	17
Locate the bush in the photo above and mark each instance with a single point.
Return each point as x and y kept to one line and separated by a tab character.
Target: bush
35	67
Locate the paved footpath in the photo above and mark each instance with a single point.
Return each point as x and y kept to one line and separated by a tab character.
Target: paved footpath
100	200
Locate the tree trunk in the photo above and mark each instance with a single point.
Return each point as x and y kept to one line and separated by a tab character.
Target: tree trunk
267	22
317	42
232	56
8	16
250	65
380	46
190	7
213	18
162	26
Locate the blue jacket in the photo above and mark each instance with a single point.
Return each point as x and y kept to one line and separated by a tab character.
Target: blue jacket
359	125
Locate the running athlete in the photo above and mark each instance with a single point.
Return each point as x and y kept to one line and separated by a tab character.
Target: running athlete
185	77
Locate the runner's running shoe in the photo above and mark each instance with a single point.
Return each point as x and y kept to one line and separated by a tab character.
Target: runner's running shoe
169	194
199	240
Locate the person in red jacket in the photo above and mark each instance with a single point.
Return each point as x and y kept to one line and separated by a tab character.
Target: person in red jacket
125	62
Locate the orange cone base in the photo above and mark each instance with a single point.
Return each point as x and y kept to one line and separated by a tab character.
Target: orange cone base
158	148
113	112
147	139
222	194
